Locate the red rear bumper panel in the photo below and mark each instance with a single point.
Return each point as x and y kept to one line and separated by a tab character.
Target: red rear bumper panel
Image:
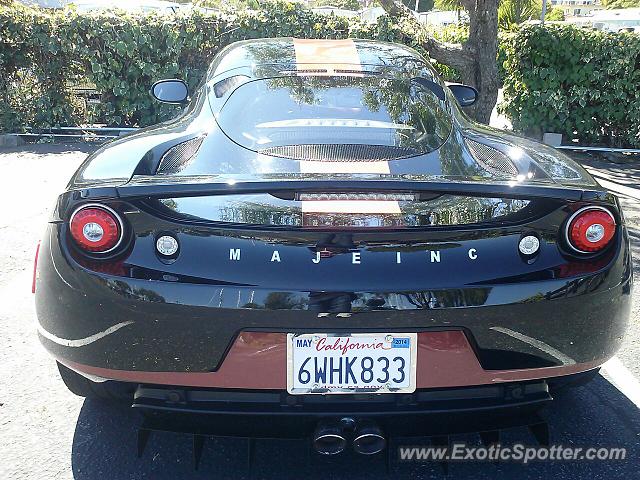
257	360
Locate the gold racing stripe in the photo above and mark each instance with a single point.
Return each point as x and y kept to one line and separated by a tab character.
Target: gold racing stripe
329	55
350	206
313	166
332	55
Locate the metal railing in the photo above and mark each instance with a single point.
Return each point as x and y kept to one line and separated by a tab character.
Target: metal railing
88	133
599	149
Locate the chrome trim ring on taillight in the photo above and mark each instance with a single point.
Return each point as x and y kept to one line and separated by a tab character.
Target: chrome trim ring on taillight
573	216
112	212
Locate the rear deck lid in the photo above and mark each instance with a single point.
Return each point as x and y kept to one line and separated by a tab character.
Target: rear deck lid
337	118
351	201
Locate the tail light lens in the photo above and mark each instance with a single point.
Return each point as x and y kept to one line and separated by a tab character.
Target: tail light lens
590	229
96	228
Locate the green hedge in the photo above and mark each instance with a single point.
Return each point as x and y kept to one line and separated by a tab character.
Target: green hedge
581	83
47	58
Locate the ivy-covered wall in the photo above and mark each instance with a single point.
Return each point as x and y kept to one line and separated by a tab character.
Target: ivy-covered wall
61	68
582	83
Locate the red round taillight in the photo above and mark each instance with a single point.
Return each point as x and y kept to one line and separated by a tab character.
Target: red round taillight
96	229
590	229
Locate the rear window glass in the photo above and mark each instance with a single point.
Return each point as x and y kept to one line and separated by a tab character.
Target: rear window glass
281	116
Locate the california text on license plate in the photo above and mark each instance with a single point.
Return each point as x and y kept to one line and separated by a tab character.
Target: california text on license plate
351	363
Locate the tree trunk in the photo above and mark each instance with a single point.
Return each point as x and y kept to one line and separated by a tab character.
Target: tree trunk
475	60
483	72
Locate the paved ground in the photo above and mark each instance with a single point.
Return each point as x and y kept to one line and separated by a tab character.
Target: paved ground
48	433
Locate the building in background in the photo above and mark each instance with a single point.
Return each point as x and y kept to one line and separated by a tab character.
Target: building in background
433	17
159	6
337	11
84	6
627	19
44	3
438	18
371	14
577	8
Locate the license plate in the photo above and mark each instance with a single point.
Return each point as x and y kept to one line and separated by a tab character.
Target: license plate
326	363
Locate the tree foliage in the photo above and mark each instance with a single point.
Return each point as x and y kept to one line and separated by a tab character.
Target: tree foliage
346	4
515	12
556	78
448	5
512	13
229	5
554	14
612	4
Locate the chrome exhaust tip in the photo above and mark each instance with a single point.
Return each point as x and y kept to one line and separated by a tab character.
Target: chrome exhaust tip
328	439
369	440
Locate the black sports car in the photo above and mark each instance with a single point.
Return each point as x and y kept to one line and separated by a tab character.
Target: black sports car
323	219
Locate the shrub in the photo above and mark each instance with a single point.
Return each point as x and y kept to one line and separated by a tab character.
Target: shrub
584	84
34	69
554	14
50	60
47	58
581	83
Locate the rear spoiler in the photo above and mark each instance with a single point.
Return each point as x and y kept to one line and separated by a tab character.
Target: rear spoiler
156	187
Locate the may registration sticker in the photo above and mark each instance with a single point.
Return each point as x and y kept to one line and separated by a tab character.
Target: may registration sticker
325	363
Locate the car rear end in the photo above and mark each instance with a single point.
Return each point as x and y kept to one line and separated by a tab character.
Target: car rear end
250	268
265	269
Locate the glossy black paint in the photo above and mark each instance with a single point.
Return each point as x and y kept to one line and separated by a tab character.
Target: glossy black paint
402	114
469	275
198	304
272	415
465	94
140	153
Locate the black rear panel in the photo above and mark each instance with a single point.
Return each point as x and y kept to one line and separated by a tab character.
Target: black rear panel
253	245
351	210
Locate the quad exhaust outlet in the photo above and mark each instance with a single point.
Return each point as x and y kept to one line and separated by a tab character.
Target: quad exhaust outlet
368	439
330	438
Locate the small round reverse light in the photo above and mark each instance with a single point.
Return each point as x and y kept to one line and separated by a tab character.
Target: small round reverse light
529	245
167	246
590	229
96	228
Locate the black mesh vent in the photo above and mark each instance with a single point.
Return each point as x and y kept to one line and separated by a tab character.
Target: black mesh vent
491	159
178	157
340	152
